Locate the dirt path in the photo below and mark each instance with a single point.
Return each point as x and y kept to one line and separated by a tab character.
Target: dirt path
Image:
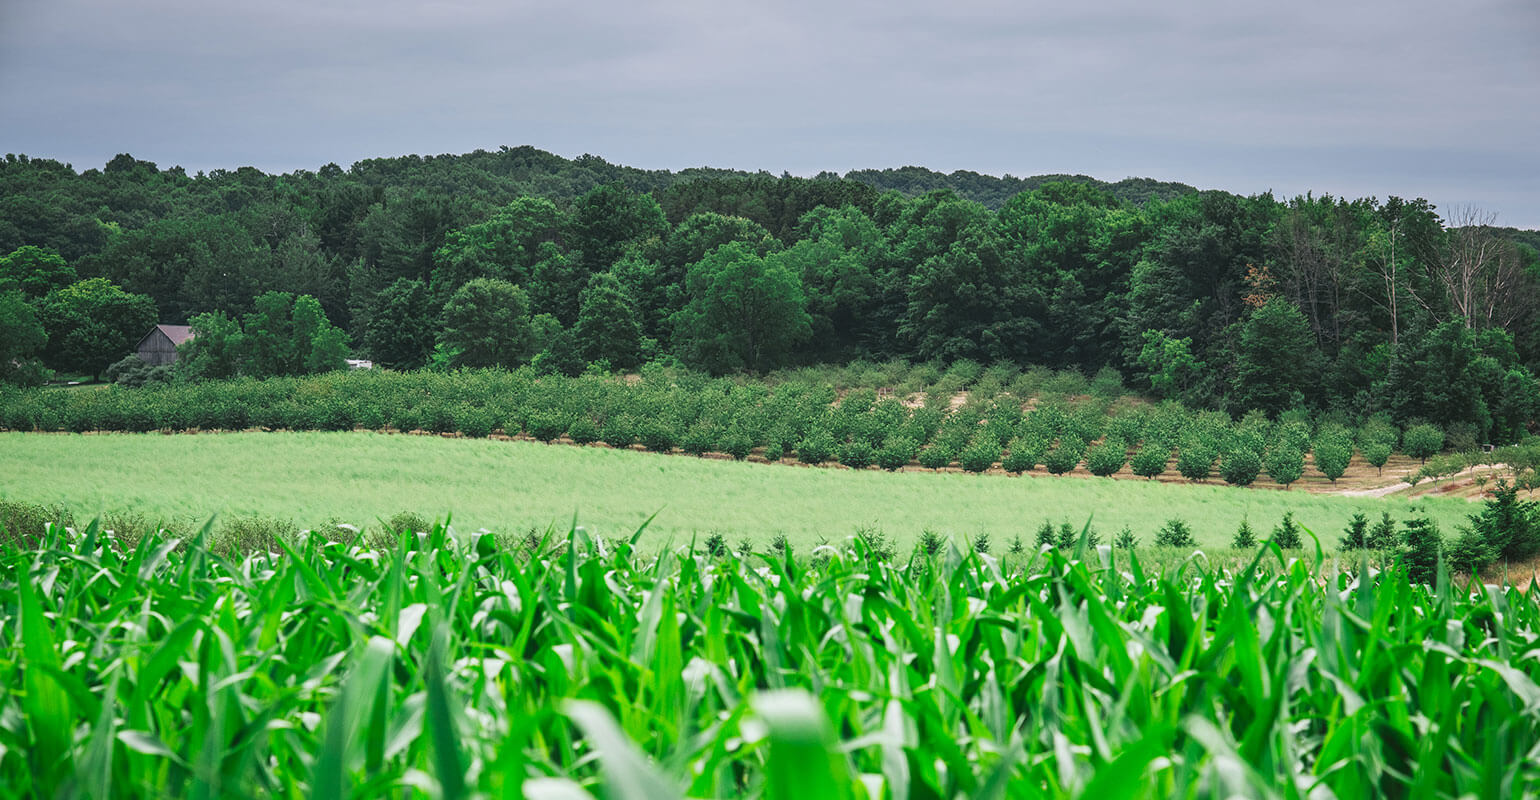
1380	492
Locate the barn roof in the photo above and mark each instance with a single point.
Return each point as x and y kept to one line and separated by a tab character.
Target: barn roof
176	333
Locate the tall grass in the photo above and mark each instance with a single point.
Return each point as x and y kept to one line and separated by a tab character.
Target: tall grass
508	487
447	667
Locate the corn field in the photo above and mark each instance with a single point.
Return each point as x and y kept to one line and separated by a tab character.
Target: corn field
445	667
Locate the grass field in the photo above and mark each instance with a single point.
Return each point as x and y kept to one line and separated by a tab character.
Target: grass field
313	478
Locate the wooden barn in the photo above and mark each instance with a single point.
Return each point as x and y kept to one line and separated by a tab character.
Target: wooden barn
158	347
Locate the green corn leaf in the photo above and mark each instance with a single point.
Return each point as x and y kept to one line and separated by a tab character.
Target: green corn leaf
628	775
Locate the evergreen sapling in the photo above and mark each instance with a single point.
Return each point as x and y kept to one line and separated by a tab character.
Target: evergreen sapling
1356	535
1244	538
1286	534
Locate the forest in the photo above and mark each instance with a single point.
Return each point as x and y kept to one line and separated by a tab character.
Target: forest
501	259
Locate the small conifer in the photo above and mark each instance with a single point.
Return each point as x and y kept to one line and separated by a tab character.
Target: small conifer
1244	538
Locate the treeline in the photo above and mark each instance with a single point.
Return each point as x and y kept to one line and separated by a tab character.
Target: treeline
667	411
1226	302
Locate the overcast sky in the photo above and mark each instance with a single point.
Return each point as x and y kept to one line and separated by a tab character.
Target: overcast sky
1406	97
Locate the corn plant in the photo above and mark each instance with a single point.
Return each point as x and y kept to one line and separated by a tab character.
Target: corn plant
449	666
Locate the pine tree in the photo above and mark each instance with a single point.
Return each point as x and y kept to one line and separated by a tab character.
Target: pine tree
1045	536
1423	543
1471	553
1244	538
1174	533
1510	527
1356	535
1276	358
1286	534
1383	535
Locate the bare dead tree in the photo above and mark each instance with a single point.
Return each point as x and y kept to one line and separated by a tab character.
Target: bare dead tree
1470	253
1480	272
1385	262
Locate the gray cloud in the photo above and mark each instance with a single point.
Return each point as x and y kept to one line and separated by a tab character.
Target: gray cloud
1437	99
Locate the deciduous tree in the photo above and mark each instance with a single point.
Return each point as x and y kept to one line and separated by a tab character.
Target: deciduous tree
487	324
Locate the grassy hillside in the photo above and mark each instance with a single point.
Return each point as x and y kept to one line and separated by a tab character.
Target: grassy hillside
508	487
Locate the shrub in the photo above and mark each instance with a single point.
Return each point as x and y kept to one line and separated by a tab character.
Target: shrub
547	426
656	435
981	544
1016	547
1107	458
935	456
716	545
23	523
1125	540
408	522
897	452
1024	453
404	418
960	375
437	416
856	454
254	534
583	430
336	414
133	372
1286	533
1107	384
1064	457
816	447
1240	466
1046	536
931	542
981	455
1174	533
1151	459
699	438
737	444
1195	460
1422	441
619	430
474	421
1244	538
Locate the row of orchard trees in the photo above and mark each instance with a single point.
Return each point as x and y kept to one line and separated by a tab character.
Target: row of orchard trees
665	411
